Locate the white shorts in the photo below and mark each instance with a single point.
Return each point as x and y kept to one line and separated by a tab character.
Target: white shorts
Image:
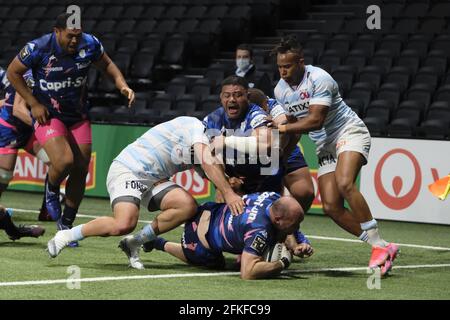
355	137
124	186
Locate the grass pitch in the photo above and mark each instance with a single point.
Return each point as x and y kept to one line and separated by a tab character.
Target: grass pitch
337	270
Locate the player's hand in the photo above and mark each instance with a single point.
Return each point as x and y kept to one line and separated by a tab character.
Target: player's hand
129	93
235	203
291	118
39	113
303	250
236	183
270	123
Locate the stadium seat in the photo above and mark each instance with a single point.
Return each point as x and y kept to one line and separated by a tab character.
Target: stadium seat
128	45
165	26
413	105
421	92
177	87
174	50
365	43
153	12
411	115
209	103
174	12
362	91
376	126
381	109
217	12
441	42
356	105
201	88
440	105
141	68
440	9
443	93
409	58
438	60
91	12
383	59
133	12
372	74
400	128
391	92
399	75
186	103
415	10
195	12
317	45
105	26
187	26
432	25
427	75
433	129
112	12
344	76
124	26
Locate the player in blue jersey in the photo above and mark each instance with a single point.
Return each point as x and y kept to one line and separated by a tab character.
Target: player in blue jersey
14	134
140	174
245	124
60	62
342	145
266	220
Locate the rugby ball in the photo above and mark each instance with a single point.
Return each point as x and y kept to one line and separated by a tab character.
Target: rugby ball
275	252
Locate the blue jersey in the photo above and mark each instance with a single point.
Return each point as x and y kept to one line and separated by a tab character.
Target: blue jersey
295	160
61	77
217	123
251	231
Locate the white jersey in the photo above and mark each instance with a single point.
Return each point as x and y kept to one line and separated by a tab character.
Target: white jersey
317	87
164	149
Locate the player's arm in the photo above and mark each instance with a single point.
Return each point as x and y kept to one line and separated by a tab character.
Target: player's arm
260	139
16	70
214	171
2	102
107	66
20	110
254	267
313	121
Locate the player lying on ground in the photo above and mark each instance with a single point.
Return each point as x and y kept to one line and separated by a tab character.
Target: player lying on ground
266	220
342	145
140	174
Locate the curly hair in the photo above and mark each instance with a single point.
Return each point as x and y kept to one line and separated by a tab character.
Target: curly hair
289	44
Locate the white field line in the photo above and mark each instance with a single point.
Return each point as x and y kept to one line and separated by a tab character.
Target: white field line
309	236
196	275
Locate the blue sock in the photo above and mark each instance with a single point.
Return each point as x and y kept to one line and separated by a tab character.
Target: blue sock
145	235
159	243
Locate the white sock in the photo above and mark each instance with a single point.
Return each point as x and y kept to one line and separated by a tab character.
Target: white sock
75	233
364	236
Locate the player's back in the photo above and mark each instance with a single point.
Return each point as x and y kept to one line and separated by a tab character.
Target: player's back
164	149
244	232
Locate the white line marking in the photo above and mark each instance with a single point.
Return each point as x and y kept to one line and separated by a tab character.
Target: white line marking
359	241
205	274
309	236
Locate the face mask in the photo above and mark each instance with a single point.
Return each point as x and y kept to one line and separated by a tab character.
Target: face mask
242	64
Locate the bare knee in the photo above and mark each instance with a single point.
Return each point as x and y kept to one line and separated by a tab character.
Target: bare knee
122	228
64	163
331	209
345	186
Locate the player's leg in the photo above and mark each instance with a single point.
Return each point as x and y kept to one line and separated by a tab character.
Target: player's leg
81	143
300	186
53	137
333	206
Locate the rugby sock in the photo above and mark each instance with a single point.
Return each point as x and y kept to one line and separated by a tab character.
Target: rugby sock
373	237
364	236
51	187
75	233
159	243
68	216
146	234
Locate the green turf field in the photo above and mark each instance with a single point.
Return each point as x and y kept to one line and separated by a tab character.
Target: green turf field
104	266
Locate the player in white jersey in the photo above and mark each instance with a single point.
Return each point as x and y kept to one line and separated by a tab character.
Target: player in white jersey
140	175
342	141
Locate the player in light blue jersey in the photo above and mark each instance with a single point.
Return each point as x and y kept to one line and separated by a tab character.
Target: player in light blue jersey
342	141
140	175
266	220
60	62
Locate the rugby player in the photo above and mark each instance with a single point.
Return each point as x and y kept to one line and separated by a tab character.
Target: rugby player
266	220
140	174
342	145
60	62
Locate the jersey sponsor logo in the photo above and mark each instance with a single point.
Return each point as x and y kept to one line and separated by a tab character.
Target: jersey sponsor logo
259	202
83	65
82	53
49	132
51	69
258	120
326	159
259	244
57	85
24	53
299	107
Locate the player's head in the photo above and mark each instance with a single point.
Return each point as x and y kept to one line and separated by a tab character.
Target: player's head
234	96
244	55
68	38
258	97
291	64
286	214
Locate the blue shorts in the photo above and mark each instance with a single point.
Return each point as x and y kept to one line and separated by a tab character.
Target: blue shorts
12	137
193	249
295	161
